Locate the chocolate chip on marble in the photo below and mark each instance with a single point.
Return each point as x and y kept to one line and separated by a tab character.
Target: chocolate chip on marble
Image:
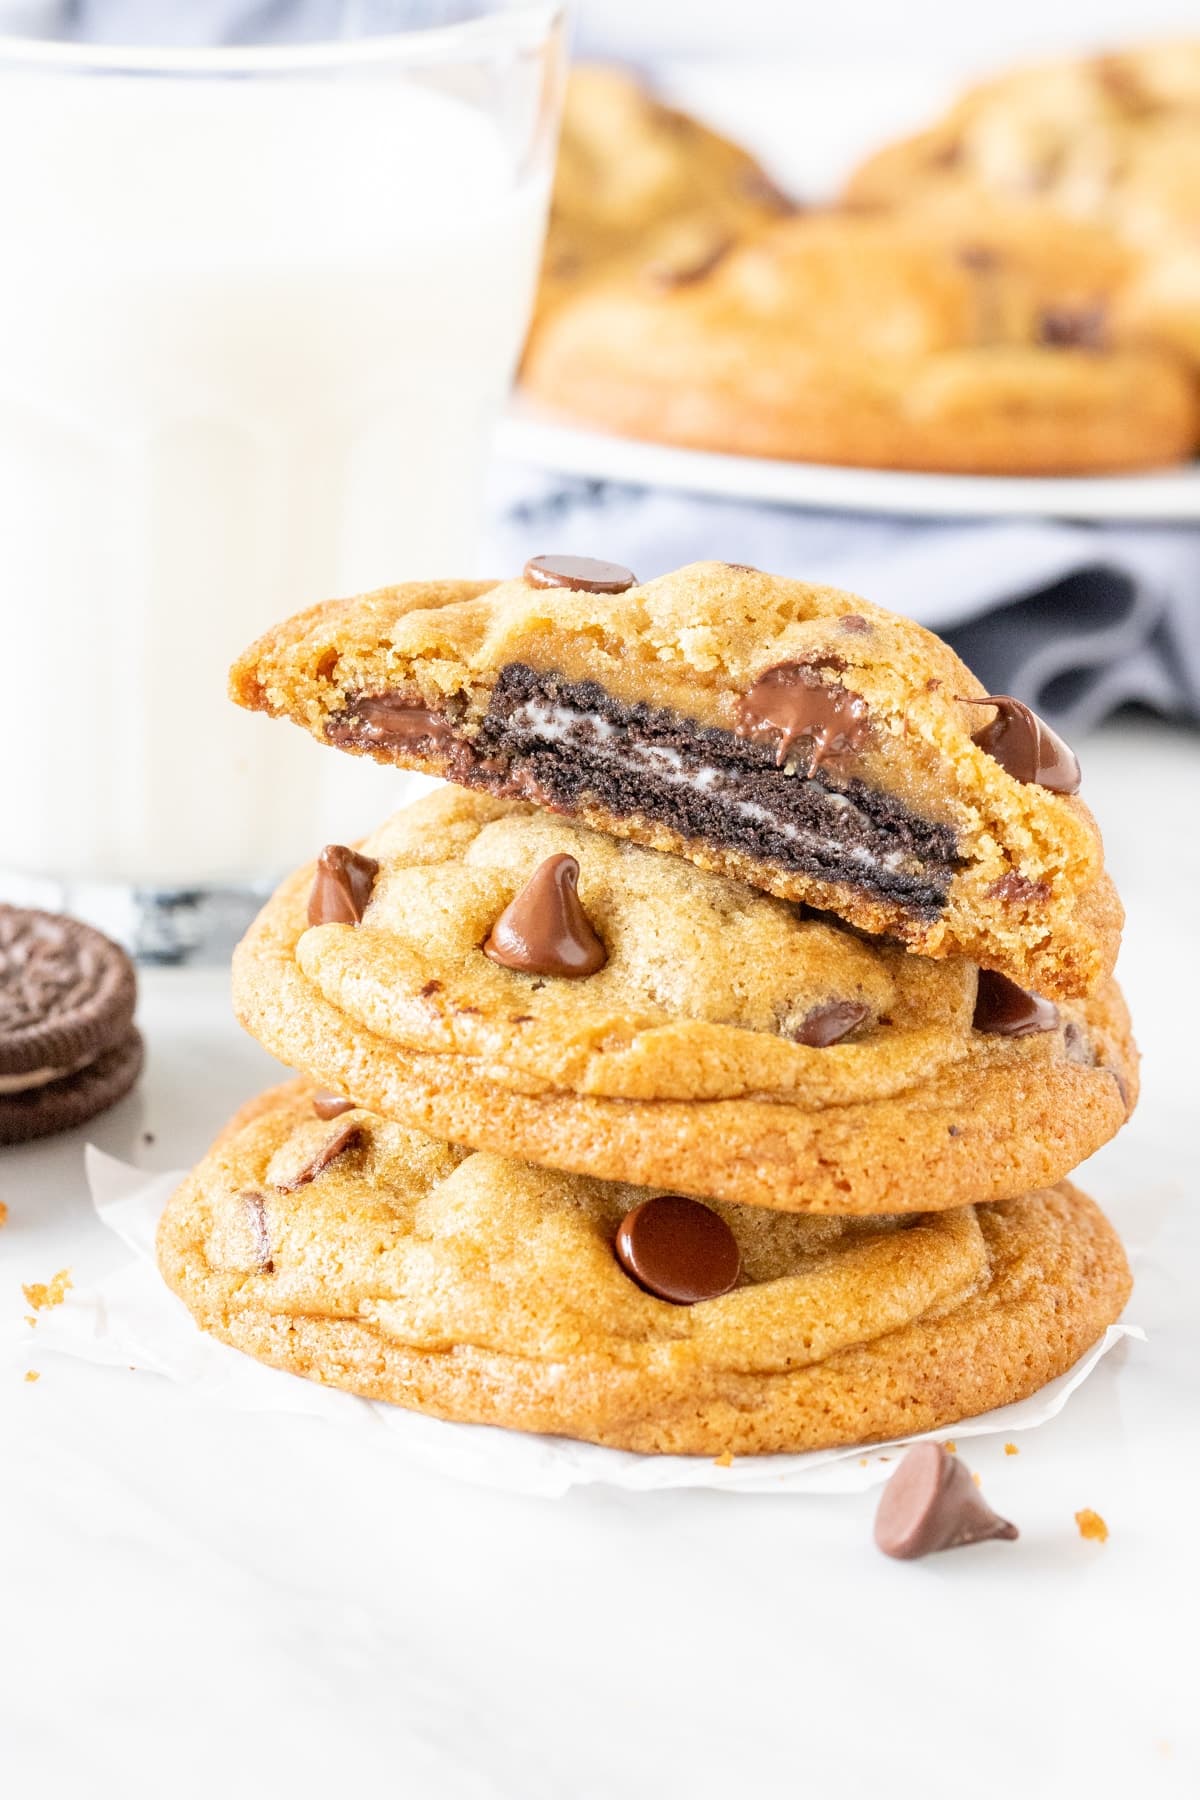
829	1023
545	930
678	1250
931	1503
1025	746
1002	1009
342	886
338	1141
583	573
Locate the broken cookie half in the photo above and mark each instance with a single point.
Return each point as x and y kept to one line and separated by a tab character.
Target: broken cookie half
794	737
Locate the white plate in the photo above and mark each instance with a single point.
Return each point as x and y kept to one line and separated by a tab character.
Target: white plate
1160	496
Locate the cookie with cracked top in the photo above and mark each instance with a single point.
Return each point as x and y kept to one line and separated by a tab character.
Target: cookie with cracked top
791	736
476	1288
722	1043
979	344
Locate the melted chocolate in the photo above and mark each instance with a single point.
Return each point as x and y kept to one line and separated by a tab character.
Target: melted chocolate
792	703
370	719
678	1250
544	930
931	1503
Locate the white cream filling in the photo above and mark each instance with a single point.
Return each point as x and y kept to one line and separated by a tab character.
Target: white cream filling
32	1078
558	724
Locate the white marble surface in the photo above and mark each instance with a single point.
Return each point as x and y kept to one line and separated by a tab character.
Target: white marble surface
195	1602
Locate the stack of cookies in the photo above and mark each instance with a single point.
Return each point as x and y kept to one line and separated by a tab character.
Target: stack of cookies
701	1072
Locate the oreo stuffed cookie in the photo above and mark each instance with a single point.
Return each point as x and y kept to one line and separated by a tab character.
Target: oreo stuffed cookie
68	1045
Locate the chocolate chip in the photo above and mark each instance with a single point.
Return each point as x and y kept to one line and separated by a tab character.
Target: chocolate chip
1019	890
1073	327
762	190
979	258
1002	1009
345	1135
583	573
260	1231
828	1024
1122	1084
544	930
853	624
678	1250
1025	745
342	887
667	276
793	702
330	1106
391	719
931	1503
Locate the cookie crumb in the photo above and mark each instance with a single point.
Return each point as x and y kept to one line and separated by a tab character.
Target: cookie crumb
863	1461
42	1294
1091	1526
33	1374
30	1320
725	1460
1011	1450
951	1446
976	1477
3	1212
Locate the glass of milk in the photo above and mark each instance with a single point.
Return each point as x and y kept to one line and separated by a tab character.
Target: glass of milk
260	309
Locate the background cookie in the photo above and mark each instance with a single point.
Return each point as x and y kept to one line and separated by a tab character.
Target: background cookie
68	1046
983	345
643	188
479	1289
729	1045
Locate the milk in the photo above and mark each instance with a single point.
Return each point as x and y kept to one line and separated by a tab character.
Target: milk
253	337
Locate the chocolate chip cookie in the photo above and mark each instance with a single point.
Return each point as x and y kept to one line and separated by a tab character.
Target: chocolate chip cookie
68	1045
643	188
1111	139
974	345
477	1288
790	736
521	984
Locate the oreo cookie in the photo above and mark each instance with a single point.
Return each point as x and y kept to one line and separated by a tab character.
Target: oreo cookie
68	1044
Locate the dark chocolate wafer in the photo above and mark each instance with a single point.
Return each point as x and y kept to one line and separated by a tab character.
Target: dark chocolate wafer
68	1047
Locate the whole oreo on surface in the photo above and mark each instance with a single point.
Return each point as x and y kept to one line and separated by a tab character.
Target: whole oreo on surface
68	1045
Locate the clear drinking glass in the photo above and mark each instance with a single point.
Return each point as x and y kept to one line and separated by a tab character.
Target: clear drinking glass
260	309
